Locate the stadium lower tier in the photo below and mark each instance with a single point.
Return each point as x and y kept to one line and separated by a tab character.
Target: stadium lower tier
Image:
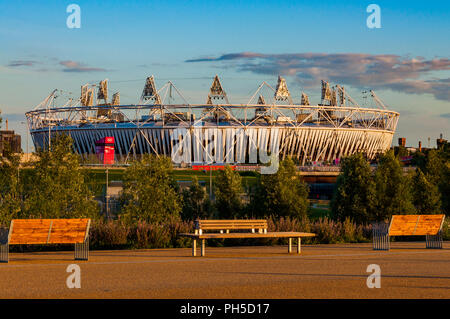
245	145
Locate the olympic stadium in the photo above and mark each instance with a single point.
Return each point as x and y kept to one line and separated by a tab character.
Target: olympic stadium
163	122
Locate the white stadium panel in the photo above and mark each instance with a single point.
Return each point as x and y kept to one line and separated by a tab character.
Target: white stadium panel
231	145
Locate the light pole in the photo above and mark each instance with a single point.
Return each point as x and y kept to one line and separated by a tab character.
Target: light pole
210	182
107	196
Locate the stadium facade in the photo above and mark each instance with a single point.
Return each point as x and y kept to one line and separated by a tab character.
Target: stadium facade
165	123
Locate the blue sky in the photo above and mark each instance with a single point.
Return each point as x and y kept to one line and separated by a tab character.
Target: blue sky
302	40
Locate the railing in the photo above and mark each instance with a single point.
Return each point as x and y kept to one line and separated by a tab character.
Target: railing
237	114
333	168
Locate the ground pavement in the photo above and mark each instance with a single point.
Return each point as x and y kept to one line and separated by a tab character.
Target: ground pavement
408	270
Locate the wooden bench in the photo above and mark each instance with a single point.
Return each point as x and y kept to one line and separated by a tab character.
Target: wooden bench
48	231
255	228
409	225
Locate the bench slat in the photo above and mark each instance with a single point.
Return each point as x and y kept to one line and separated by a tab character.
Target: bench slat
250	235
26	239
231	224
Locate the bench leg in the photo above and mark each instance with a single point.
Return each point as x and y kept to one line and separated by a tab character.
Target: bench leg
290	245
380	237
202	250
4	253
434	241
194	247
82	250
381	242
299	243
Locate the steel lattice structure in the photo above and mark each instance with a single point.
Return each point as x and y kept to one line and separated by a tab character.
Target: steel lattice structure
221	132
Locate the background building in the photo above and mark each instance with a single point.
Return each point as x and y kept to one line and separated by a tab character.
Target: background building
217	131
9	141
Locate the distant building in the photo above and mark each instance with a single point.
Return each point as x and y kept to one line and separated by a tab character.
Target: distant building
9	140
405	152
440	142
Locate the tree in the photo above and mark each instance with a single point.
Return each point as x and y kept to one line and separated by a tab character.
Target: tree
148	192
437	172
10	190
445	190
57	187
418	160
444	151
434	167
401	151
392	188
281	194
195	202
426	195
354	194
228	189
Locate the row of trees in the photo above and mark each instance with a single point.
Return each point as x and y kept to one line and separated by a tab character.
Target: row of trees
56	187
363	192
366	195
150	193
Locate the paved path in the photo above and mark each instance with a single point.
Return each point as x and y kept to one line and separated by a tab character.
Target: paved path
408	270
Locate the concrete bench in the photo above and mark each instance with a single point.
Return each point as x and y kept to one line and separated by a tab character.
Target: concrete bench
253	228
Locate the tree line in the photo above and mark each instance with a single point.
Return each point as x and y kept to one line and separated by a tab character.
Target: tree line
57	187
366	194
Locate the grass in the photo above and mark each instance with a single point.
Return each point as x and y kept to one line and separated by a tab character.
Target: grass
316	213
97	177
319	209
